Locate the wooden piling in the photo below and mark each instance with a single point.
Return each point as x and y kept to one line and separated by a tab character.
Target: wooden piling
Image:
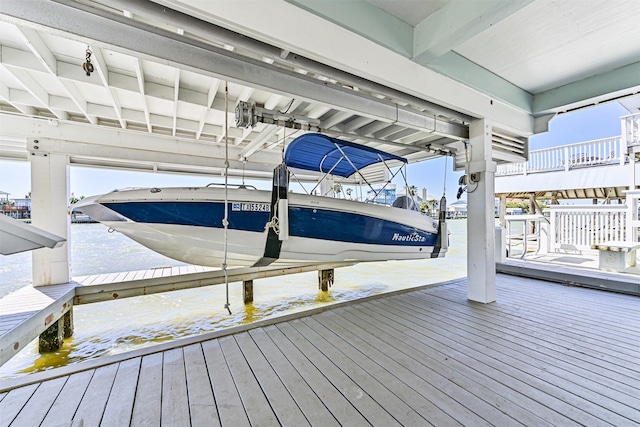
325	279
53	337
67	318
247	286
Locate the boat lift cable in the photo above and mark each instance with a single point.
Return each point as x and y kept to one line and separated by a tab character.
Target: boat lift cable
225	221
444	185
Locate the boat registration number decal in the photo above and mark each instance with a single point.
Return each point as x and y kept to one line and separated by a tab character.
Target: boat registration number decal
251	207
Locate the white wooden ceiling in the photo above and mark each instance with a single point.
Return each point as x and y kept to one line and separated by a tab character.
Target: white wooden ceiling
536	45
163	74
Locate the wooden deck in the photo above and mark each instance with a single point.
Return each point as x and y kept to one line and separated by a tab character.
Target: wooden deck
542	355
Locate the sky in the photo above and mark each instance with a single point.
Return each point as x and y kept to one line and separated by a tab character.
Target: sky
597	122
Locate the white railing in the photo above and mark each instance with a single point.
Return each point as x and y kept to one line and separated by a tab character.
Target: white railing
633	216
631	129
607	151
581	226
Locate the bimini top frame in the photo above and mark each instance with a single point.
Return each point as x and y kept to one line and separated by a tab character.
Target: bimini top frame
332	156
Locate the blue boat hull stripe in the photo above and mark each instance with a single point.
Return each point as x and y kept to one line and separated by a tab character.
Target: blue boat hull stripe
304	222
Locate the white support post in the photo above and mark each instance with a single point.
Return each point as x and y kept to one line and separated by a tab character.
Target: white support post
553	245
49	200
633	215
481	257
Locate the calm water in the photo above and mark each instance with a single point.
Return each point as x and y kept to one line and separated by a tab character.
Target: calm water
113	327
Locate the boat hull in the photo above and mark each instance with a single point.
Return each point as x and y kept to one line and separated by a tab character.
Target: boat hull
186	225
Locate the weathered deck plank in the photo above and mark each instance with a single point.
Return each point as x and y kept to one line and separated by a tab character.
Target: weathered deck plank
38	405
305	398
283	404
253	398
13	403
175	402
202	405
527	329
96	396
226	394
340	407
456	395
374	379
400	380
120	403
63	409
542	355
148	401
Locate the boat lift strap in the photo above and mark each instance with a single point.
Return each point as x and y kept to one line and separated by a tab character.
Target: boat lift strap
278	192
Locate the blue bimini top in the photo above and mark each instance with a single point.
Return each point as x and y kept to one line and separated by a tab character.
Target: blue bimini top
321	153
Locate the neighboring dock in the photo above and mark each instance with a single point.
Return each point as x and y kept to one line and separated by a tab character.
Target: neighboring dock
542	355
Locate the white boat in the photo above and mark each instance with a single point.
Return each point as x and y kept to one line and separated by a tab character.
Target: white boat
275	227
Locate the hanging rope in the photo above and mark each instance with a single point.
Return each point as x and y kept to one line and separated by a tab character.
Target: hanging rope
225	220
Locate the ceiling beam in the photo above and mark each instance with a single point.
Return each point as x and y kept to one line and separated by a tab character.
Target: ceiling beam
81	140
456	22
479	78
176	97
30	85
211	96
100	66
248	150
335	119
365	20
592	90
39	49
356	123
5	95
141	88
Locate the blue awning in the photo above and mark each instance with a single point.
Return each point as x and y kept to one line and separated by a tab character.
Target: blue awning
321	153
